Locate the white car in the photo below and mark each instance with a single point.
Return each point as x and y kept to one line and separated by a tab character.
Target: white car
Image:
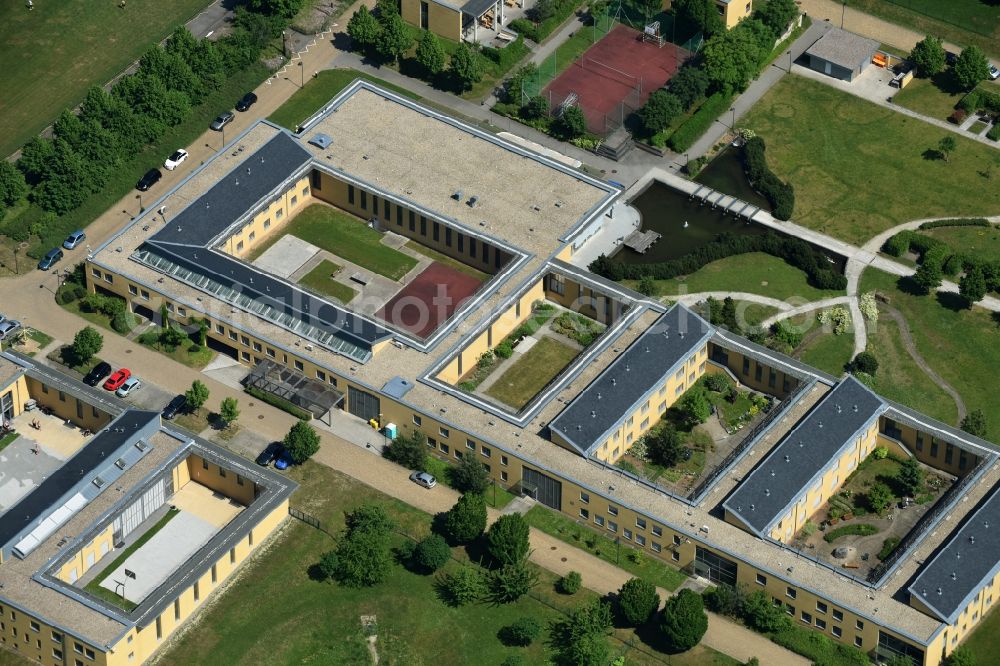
423	479
130	386
994	72
176	159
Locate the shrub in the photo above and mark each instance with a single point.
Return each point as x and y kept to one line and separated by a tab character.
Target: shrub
407	451
957	116
465	586
860	529
514	659
888	546
960	222
865	362
994	133
897	245
280	403
511	582
779	194
505	349
522	632
718	382
692	129
432	553
570	583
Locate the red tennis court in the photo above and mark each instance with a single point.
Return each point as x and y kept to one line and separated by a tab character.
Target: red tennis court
429	299
615	76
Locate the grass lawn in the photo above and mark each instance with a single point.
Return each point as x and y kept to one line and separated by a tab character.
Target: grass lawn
345	236
321	89
935	97
193	421
447	261
57	356
980	242
968	361
580	536
188	352
977	127
754	313
754	272
94	586
7	439
59	49
319	622
982	642
9	658
828	352
496	495
846	158
320	280
529	374
959	21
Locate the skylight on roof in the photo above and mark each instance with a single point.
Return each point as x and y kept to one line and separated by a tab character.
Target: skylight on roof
321	140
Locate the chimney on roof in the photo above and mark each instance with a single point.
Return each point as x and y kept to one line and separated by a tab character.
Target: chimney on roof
628	368
954	576
986	524
855	406
598	395
787	458
819	424
972	539
613	381
593	414
838	409
767	492
939	591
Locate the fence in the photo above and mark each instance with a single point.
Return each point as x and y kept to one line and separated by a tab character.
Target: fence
554	65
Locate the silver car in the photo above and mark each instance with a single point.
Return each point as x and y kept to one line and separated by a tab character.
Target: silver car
424	479
131	385
224	119
8	327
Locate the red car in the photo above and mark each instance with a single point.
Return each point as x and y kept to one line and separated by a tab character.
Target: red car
117	379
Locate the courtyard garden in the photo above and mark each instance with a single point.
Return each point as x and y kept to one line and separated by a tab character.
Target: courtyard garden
416	620
826	351
321	280
345	236
846	158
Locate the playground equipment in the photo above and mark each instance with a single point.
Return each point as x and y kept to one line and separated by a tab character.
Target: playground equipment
651	33
571	100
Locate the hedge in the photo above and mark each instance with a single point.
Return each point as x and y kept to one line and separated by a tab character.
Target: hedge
685	135
818	648
537	32
980	99
962	222
994	132
779	194
860	529
794	251
280	403
888	546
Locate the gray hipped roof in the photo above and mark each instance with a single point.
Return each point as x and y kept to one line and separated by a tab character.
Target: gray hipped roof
966	562
843	48
766	494
638	371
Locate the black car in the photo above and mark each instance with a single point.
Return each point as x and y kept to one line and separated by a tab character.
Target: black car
174	407
246	101
272	451
100	371
150	179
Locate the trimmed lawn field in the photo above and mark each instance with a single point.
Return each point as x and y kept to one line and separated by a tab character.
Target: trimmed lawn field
753	313
828	352
980	242
305	621
53	53
968	361
858	168
345	236
529	374
320	280
959	21
754	272
983	640
935	97
321	89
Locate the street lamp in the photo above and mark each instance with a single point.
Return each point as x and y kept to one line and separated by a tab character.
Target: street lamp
139	197
302	75
732	124
223	136
284	43
843	10
789	61
687	159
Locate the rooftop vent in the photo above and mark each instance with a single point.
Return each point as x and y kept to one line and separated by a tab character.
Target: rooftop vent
457	196
855	407
838	409
473	202
593	414
321	141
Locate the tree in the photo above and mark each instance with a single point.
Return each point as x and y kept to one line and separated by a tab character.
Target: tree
327	565
507	539
647	285
229	410
946	146
580	637
694	407
86	344
689	84
66	180
408	451
394	40
570	583
196	396
465	586
928	276
522	632
466	67
865	362
702	13
910	476
511	582
962	656
466	520
731	59
684	621
777	14
363	559
514	86
429	54
879	497
974	423
971	67
729	318
12	185
664	447
470	476
364	29
571	124
301	442
637	601
650	8
761	614
928	56
537	107
34	160
369	517
659	110
432	553
972	285
284	8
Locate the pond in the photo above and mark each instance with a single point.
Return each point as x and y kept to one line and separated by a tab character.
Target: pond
725	174
685	224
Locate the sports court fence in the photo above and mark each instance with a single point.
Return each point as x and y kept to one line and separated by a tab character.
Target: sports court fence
554	65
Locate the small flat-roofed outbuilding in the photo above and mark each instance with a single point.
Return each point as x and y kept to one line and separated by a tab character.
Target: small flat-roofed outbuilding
841	54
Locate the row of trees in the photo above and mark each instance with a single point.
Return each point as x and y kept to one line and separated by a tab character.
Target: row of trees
969	69
88	148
